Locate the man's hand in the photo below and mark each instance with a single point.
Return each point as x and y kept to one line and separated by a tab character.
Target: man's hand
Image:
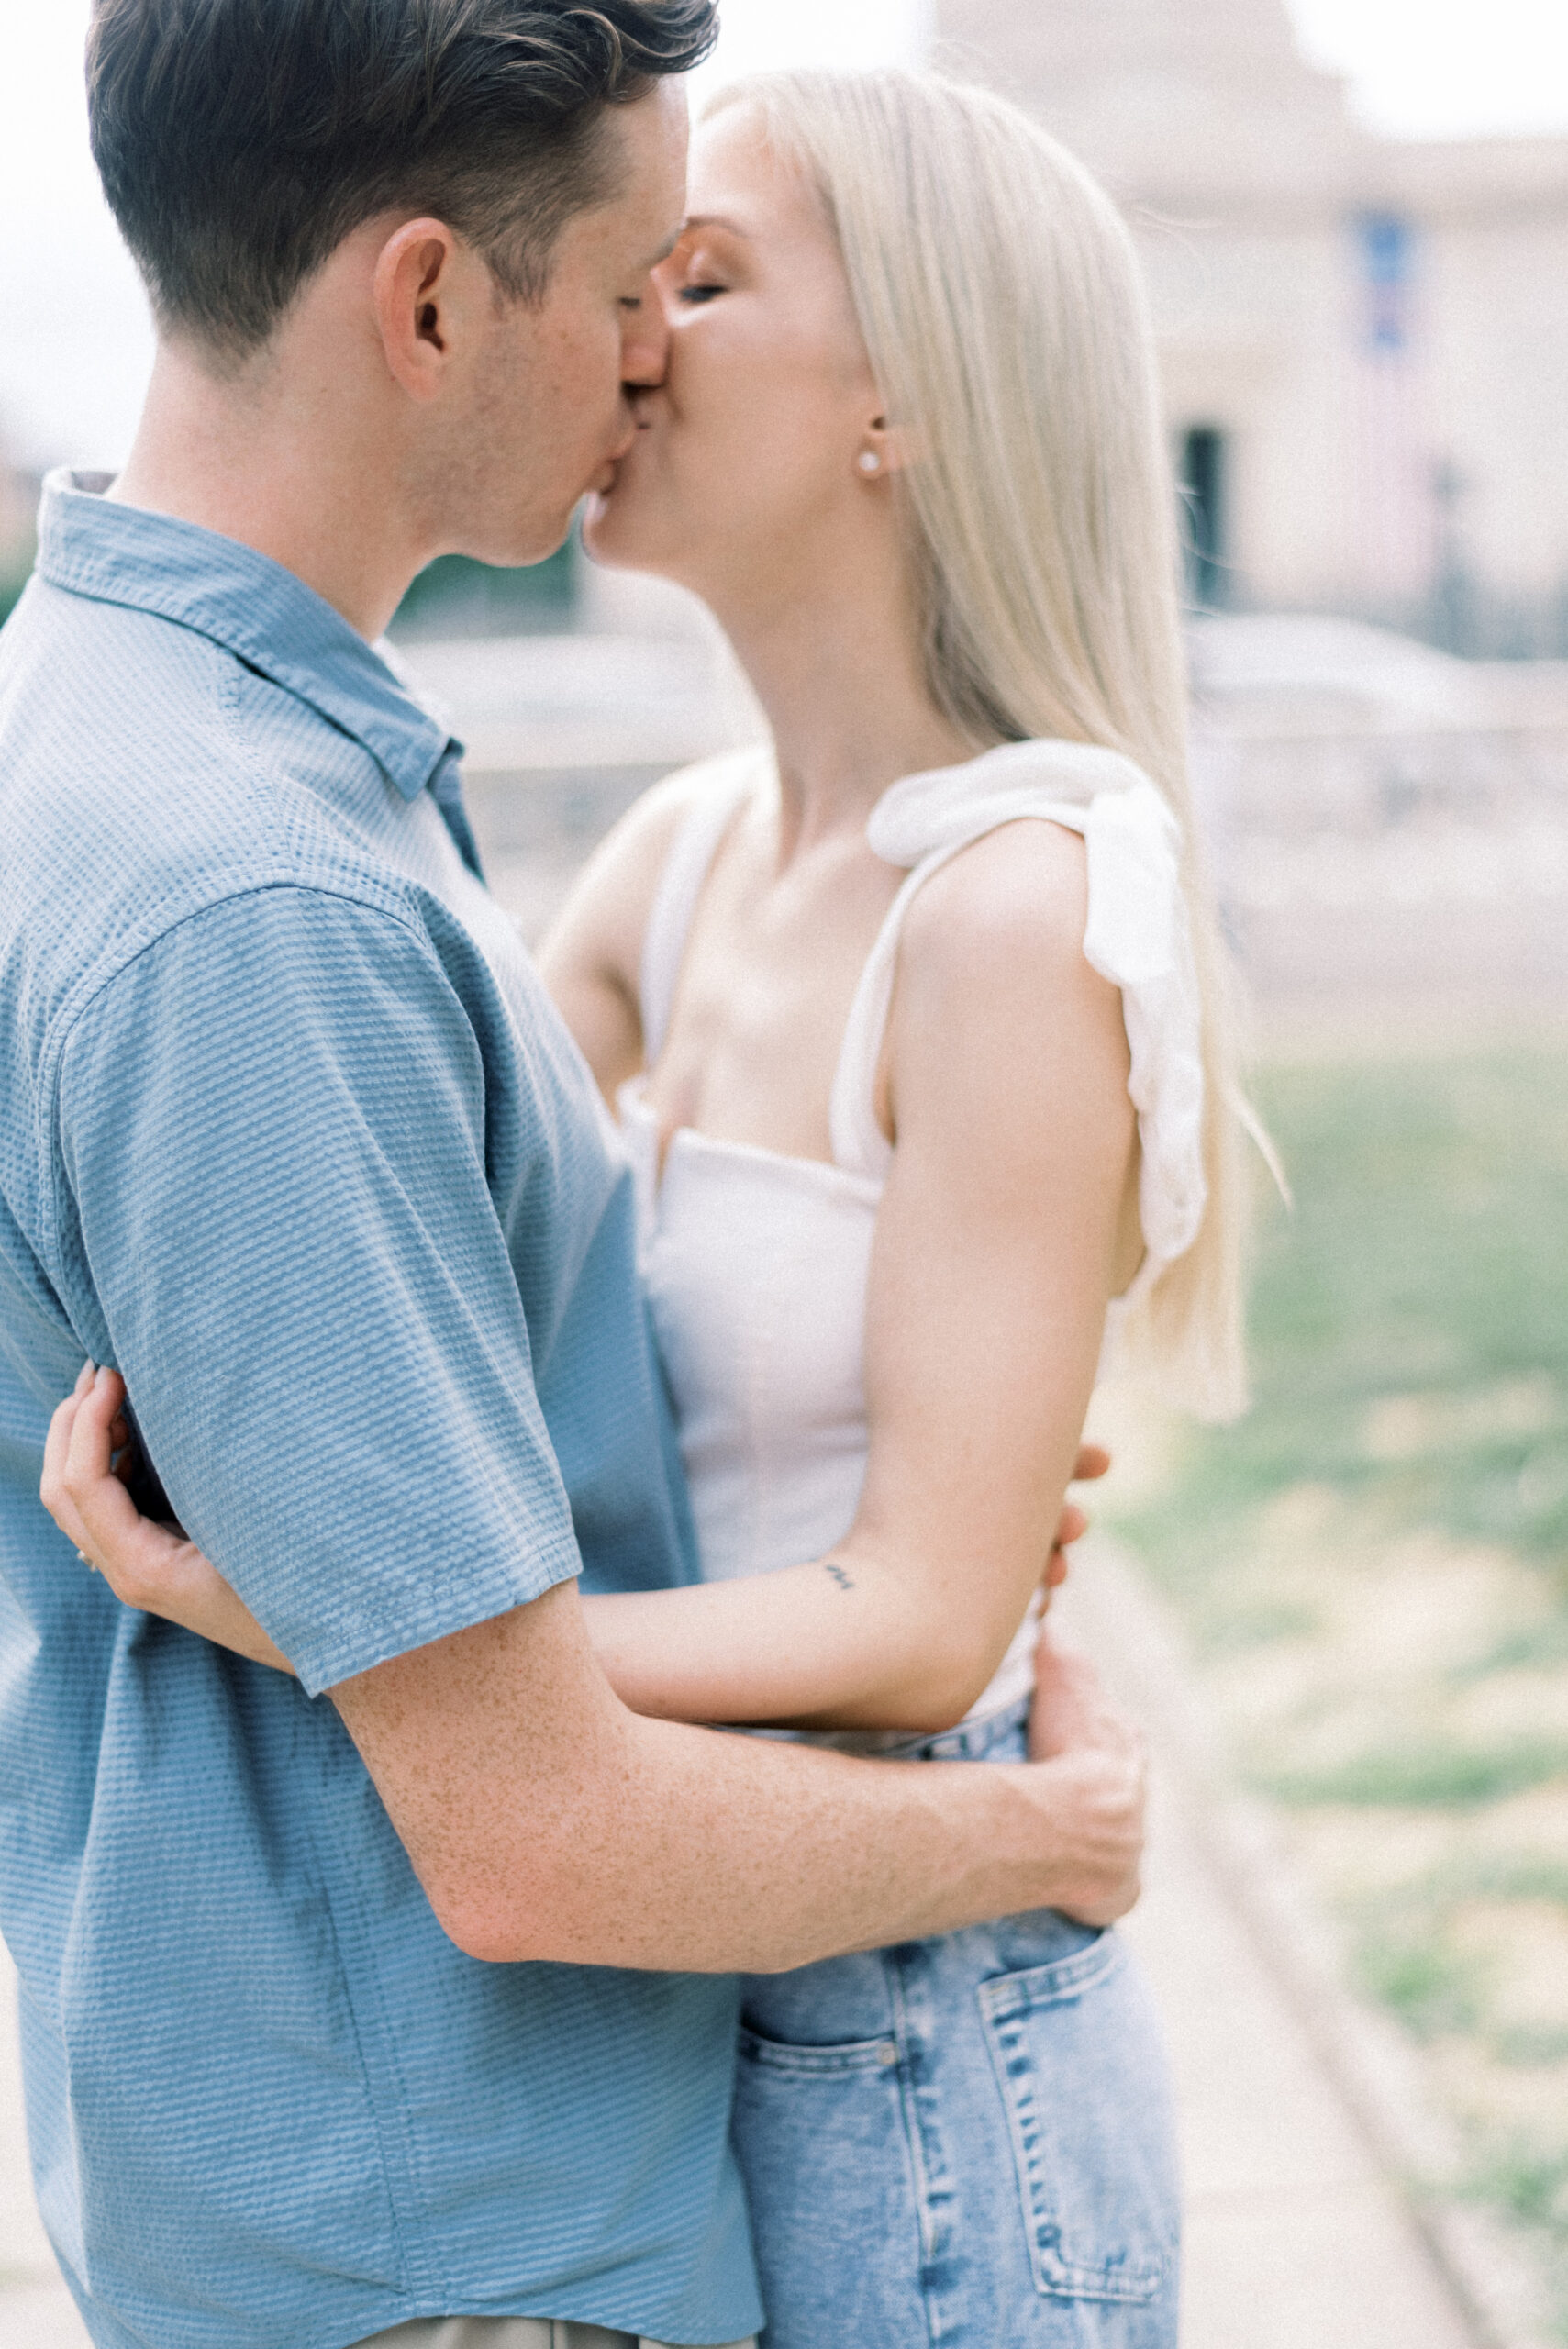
1089	1742
1072	1708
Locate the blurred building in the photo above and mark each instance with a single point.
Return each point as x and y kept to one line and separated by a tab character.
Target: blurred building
1366	341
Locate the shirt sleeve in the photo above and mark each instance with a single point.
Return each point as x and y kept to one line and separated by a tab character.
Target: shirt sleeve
272	1131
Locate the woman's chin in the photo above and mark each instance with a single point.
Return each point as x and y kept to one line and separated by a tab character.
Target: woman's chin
592	525
610	534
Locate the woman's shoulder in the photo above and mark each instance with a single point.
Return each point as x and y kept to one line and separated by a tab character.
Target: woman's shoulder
644	837
1011	904
993	978
592	959
609	904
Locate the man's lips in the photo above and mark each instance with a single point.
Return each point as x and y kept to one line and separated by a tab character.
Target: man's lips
607	478
609	475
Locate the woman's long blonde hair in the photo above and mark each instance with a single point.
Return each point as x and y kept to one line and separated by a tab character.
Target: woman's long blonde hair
1004	314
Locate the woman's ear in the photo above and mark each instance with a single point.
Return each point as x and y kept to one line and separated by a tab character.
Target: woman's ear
884	449
418	302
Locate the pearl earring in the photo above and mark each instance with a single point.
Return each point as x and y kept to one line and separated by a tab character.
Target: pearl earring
869	462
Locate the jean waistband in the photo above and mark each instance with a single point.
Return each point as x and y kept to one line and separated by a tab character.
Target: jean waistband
971	1741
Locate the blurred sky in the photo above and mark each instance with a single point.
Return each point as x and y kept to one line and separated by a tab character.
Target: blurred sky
75	361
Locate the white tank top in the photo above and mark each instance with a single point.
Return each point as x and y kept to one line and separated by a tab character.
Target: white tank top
756	1263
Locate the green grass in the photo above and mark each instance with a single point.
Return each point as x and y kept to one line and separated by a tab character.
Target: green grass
1431	1990
1479	1876
1531	2188
1409	1776
1410	1358
1534	2187
1545	1644
1425	1263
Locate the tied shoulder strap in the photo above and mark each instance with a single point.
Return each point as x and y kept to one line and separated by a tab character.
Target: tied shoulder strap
687	867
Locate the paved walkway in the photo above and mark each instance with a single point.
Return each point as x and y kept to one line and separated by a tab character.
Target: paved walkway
36	2310
1294	2239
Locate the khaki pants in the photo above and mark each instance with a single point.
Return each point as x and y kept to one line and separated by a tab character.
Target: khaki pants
511	2332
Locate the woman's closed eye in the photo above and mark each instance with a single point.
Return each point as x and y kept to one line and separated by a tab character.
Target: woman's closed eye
703	292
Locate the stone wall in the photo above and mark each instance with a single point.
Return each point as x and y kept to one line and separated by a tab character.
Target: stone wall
1387	827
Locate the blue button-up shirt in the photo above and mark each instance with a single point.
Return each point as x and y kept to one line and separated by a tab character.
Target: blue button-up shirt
291	1134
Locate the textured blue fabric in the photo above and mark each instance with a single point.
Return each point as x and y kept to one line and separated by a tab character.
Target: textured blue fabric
293	1135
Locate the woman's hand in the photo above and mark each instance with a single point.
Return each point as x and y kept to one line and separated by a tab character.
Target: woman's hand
147	1565
1093	1462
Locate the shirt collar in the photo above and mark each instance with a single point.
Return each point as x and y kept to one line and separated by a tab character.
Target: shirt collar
244	601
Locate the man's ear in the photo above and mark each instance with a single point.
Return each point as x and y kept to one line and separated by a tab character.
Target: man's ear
419	296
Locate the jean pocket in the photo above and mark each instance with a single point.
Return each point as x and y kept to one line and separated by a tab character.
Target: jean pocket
1079	2061
818	2063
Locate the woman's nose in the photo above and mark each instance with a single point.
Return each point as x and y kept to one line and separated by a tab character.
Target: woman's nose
645	343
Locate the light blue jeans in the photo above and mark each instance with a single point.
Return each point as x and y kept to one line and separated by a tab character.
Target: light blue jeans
965	2142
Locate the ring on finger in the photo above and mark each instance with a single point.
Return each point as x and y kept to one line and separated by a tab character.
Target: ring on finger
87	1562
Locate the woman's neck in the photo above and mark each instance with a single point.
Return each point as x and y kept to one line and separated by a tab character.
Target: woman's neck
840	681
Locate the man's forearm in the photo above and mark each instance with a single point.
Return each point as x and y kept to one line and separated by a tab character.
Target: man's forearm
546	1822
836	1853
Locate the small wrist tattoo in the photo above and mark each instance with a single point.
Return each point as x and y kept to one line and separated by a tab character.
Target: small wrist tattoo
844	1581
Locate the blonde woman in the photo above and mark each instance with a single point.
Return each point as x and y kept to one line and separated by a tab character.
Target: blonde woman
910	1020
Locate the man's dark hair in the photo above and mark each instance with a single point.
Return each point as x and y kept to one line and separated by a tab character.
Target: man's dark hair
240	141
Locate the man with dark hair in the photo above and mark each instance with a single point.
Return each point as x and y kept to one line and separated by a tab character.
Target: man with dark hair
411	2006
